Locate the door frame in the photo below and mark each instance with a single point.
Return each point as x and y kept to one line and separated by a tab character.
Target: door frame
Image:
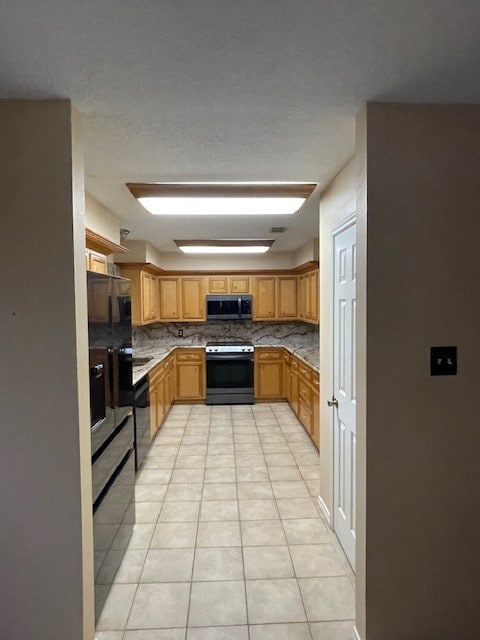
348	221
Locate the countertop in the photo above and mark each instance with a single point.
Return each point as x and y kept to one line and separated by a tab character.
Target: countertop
158	353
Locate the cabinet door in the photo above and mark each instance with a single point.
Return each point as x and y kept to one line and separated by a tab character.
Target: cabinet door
308	298
169	293
97	262
305	404
264	298
239	284
190	384
269	380
294	388
315	431
153	409
314	295
160	401
301	297
153	300
145	284
217	284
193	299
287	297
287	387
190	378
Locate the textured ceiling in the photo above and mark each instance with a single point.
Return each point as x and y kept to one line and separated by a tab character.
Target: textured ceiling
231	89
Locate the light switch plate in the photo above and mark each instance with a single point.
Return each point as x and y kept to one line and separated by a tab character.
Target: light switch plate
443	361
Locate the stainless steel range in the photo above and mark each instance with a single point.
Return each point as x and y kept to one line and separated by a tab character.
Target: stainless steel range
230	372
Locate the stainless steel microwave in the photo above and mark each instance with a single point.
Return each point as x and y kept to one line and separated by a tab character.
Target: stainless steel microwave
223	307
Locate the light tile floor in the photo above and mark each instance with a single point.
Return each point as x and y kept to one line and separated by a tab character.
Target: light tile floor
228	542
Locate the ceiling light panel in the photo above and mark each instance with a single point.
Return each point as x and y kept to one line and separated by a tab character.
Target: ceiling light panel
215	249
221	206
222	199
224	246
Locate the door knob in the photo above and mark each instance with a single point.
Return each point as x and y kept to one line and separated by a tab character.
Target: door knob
333	402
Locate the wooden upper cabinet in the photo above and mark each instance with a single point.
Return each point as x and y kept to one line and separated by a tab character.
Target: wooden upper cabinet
96	262
227	284
144	293
301	297
145	283
239	284
193	299
217	284
314	297
170	298
287	297
154	304
264	298
149	297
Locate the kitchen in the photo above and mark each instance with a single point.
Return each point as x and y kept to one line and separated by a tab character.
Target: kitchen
225	372
95	95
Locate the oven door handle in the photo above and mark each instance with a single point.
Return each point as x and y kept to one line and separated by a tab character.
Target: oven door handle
241	356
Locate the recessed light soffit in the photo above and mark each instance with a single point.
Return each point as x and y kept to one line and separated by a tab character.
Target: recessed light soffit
206	198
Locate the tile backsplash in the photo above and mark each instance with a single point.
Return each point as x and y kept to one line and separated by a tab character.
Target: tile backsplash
296	334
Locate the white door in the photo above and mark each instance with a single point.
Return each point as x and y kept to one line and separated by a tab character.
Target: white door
344	410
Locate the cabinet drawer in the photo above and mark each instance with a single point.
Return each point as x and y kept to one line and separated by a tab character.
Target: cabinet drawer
190	356
305	415
315	379
268	354
305	392
304	371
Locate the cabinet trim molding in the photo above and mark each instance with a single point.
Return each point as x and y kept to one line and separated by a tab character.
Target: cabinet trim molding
95	242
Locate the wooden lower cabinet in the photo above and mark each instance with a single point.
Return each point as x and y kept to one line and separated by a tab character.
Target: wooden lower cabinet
315	430
162	392
294	384
279	375
268	373
157	398
190	379
287	371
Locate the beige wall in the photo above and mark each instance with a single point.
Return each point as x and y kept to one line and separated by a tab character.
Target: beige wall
101	220
337	203
142	251
46	553
422	570
308	252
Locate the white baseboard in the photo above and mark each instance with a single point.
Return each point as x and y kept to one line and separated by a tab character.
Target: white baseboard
356	635
325	510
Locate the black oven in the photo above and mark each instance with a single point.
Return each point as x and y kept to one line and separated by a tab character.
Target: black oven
223	307
230	374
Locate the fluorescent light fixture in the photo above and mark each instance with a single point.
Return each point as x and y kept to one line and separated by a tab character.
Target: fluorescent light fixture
222	199
224	246
221	206
210	249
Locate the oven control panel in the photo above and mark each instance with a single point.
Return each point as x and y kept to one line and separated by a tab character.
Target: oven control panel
229	348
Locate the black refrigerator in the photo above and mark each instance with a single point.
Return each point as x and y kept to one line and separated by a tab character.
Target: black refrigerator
111	424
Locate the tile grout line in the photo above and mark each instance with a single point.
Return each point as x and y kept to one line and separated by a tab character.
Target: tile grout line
196	533
241	538
293	566
156	522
